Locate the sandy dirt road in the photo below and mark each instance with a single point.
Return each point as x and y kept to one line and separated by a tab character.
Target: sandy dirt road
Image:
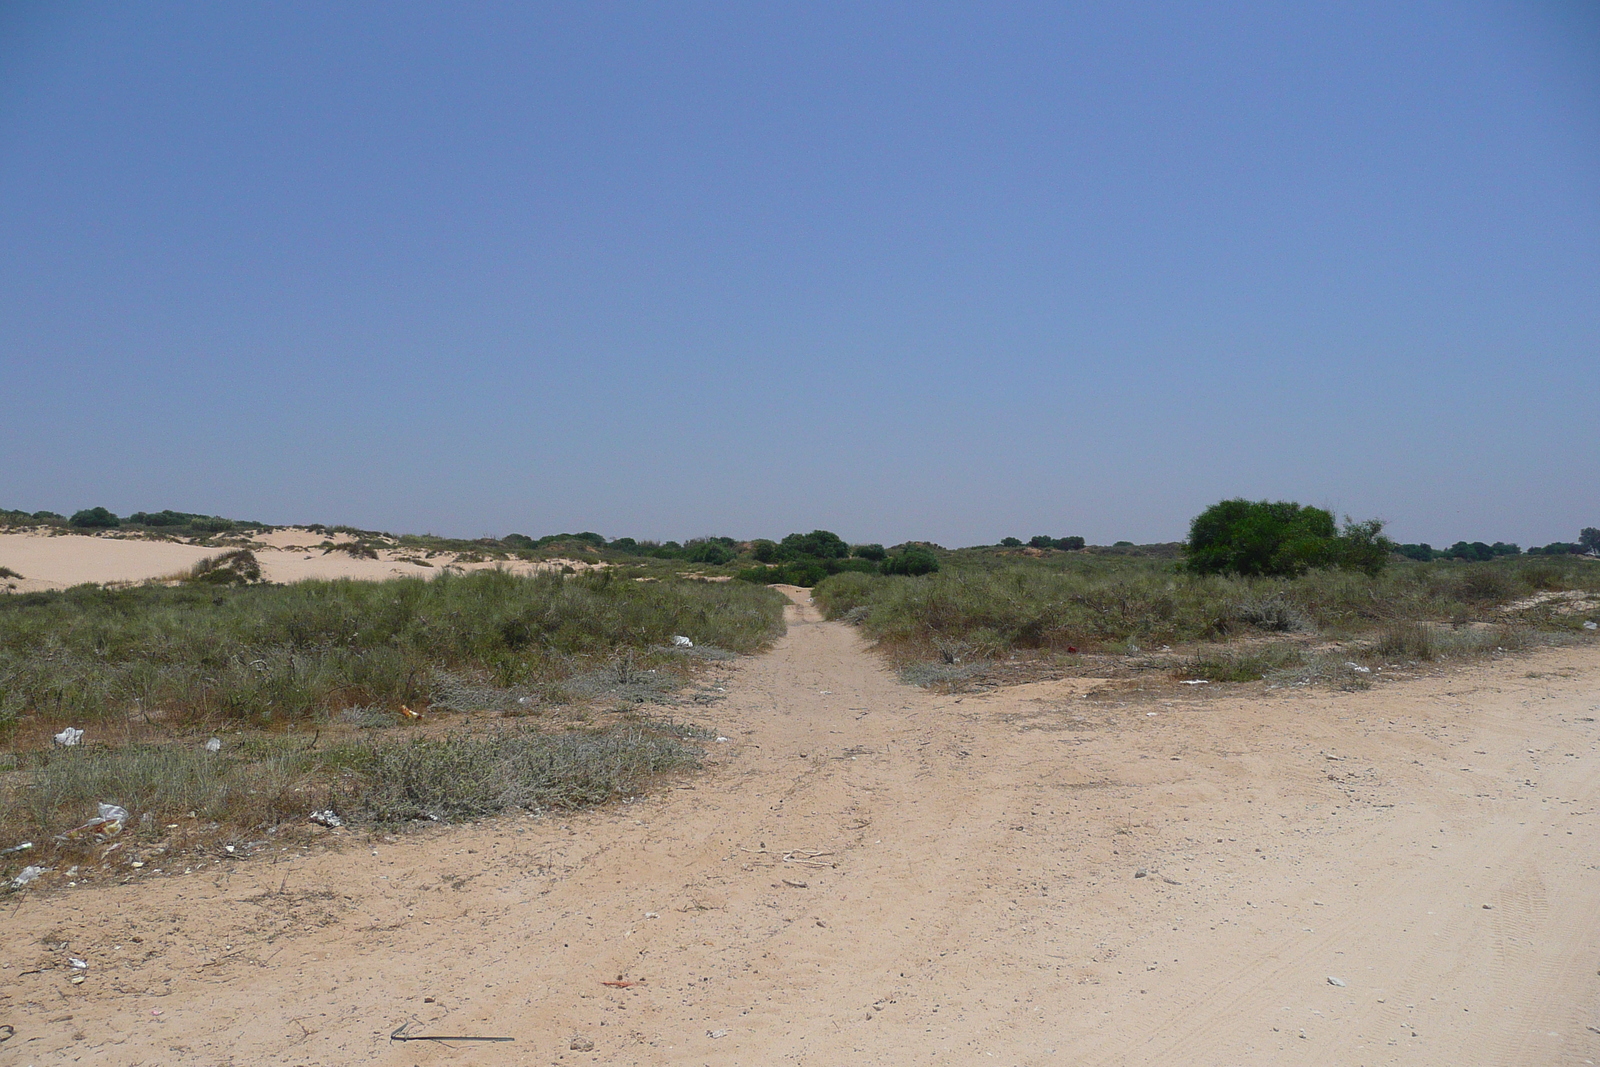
871	874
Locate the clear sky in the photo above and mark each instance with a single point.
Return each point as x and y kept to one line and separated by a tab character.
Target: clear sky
922	270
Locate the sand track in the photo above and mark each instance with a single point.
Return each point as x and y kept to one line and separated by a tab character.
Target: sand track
868	873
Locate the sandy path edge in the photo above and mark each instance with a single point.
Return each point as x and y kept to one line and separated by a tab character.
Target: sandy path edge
871	873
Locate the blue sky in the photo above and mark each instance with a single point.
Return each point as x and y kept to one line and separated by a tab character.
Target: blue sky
940	271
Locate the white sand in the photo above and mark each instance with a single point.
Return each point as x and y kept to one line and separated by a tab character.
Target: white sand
58	561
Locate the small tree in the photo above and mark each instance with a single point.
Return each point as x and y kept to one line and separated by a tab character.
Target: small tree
1011	542
95	519
874	552
1280	539
1590	540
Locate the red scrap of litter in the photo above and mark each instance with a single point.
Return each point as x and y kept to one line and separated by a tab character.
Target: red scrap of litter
618	985
1072	648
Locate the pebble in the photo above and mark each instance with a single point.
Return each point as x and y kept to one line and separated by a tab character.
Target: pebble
580	1044
1336	981
1140	873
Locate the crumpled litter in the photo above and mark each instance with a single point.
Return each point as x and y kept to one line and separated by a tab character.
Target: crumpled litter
69	737
1591	625
214	745
1358	668
28	875
682	641
328	818
110	822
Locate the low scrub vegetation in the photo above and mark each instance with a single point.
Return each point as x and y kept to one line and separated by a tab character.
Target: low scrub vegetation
267	780
219	648
989	605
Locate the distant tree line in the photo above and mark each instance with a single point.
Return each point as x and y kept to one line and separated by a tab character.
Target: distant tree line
1066	544
179	522
1587	544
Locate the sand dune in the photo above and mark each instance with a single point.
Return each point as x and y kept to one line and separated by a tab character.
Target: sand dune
58	561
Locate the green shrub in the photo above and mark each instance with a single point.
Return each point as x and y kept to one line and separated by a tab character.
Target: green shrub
818	544
875	553
912	562
710	550
239	567
1261	538
94	519
1010	542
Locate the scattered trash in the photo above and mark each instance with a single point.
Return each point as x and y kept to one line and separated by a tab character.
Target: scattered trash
651	915
214	745
326	818
25	846
400	1034
1170	881
722	740
1358	668
1336	981
682	641
408	713
718	1033
1073	649
1195	681
7	1032
69	737
619	984
1591	625
1488	907
136	864
82	965
109	823
28	876
580	1044
76	979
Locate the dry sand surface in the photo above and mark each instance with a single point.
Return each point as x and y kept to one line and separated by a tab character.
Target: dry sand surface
871	874
57	561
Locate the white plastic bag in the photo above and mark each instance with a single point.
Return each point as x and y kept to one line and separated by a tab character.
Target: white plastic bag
69	737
